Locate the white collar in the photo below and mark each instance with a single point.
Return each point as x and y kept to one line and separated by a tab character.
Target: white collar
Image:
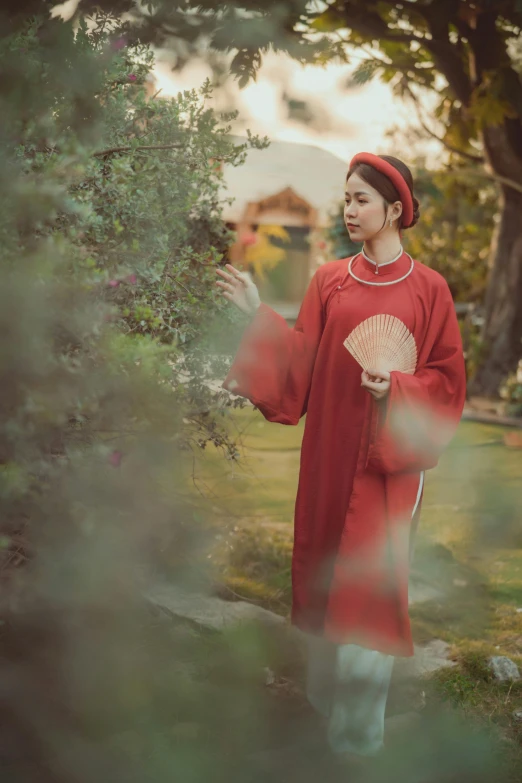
401	251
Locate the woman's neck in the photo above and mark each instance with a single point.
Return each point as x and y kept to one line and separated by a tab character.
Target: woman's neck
382	249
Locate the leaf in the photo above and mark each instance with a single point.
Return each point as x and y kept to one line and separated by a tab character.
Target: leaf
245	65
363	73
488	109
328	22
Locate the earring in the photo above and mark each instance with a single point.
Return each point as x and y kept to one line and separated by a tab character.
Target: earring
391	222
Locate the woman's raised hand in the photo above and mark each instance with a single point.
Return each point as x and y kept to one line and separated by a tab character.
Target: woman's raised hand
239	288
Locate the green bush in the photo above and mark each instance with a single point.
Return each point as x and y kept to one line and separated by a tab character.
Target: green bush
111	228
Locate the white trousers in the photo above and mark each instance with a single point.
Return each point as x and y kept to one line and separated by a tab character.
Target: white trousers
349	685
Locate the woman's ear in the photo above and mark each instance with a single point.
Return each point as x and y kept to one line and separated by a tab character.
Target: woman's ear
396	209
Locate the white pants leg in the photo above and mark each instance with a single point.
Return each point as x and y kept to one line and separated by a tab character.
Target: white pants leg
349	685
359	700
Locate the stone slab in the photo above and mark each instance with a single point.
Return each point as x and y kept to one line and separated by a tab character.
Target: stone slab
208	611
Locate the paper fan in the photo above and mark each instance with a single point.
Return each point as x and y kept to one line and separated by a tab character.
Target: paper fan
383	343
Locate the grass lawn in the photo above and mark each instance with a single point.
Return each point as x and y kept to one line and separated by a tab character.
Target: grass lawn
469	546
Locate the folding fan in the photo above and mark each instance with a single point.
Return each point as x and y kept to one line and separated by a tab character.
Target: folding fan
383	343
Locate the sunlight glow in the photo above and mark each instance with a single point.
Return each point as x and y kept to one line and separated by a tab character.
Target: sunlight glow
346	119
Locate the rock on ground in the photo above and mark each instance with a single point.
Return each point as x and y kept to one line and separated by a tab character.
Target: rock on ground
428	659
503	668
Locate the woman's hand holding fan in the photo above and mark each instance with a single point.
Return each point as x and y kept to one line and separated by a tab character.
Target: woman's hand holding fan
377	383
382	344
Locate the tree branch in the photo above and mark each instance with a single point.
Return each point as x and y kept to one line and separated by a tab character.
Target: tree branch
480	174
448	61
450	147
447	145
446	55
399	37
114	150
370	24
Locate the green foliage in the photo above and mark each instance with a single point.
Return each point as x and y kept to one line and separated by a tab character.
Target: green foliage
363	73
126	186
110	228
337	233
511	392
475	349
418	41
454	233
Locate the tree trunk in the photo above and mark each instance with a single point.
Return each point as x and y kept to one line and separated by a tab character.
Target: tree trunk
502	331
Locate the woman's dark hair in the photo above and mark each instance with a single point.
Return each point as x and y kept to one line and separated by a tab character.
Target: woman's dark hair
384	186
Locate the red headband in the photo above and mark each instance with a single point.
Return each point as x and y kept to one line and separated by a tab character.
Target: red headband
395	176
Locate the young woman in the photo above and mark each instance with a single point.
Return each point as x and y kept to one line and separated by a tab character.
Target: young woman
367	441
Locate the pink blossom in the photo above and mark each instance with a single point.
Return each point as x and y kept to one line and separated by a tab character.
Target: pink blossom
249	239
115	459
132	77
114	283
321	245
132	279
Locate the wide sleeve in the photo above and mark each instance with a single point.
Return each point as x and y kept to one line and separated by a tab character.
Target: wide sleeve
274	363
422	411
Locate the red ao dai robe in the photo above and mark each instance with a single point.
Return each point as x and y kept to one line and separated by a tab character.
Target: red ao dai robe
361	461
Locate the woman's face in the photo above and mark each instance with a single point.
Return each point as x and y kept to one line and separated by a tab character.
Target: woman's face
365	211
